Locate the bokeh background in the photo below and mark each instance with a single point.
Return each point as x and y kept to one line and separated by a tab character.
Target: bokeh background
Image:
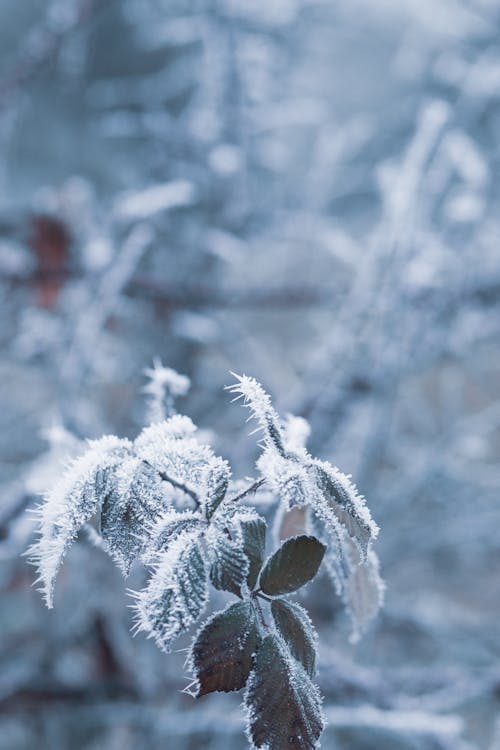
303	190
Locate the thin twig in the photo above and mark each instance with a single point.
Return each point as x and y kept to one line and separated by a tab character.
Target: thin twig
252	489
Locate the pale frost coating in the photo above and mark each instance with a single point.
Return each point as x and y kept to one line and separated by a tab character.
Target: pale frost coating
176	593
166	529
341	516
71	503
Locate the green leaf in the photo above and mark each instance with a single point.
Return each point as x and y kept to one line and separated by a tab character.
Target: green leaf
221	655
254	545
297	630
283	706
294	564
230	564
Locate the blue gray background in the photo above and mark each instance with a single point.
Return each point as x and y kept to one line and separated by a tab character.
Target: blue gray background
303	190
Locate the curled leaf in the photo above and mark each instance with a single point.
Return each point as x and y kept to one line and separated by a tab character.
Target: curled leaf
261	409
71	503
340	499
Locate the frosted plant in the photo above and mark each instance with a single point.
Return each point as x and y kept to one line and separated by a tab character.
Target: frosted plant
167	500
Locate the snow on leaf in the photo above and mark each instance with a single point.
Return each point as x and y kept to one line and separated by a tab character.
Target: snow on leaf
216	483
230	565
344	501
179	458
176	593
259	403
221	655
136	497
296	432
297	630
167	528
71	503
288	478
283	705
295	563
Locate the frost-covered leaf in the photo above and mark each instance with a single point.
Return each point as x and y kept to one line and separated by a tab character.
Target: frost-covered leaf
216	483
296	432
253	530
283	706
136	496
259	403
341	498
71	503
288	478
295	563
356	578
166	530
176	593
297	630
230	565
170	448
222	653
364	593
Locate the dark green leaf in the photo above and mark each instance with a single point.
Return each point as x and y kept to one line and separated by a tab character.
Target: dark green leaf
221	655
296	628
230	564
254	545
283	705
294	564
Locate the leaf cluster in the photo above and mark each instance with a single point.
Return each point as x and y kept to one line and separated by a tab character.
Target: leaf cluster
167	500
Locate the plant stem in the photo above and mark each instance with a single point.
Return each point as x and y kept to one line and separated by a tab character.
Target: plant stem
253	488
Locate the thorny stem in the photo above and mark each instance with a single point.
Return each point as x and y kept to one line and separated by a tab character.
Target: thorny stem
253	488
